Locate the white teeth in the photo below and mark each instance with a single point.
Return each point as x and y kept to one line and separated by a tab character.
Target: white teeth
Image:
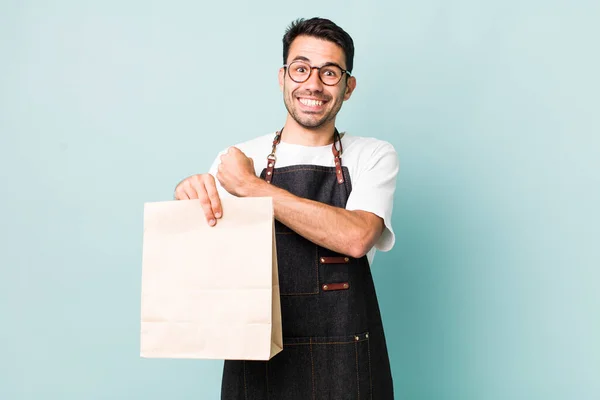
311	103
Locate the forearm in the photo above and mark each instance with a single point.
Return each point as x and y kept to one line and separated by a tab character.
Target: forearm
351	233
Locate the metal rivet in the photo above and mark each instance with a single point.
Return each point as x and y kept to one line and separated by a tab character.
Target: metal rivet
345	286
340	181
268	181
346	259
270	164
325	287
356	338
269	173
322	260
367	335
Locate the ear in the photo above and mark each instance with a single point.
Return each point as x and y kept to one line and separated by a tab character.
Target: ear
350	86
281	78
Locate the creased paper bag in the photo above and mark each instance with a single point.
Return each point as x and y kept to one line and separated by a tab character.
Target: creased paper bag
210	292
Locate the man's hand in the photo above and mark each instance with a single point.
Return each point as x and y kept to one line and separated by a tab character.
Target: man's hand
236	172
202	187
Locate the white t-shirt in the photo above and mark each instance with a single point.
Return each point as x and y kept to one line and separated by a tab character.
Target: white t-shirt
372	164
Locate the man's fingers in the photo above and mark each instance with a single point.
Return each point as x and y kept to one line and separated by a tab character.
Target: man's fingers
213	195
180	193
206	205
191	189
227	153
231	151
204	188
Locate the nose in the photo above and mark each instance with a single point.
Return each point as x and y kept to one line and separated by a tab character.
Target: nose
314	82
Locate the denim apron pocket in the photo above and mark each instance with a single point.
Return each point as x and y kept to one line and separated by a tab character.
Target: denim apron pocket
322	368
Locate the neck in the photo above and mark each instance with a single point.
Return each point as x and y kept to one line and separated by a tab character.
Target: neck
295	133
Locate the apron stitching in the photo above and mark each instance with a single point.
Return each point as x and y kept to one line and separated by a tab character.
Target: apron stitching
311	343
317	264
312	368
245	386
357	375
301	169
297	294
346	184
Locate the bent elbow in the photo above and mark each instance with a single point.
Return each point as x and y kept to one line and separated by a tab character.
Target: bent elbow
357	252
359	247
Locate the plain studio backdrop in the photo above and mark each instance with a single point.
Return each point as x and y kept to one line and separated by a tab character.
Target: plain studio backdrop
491	292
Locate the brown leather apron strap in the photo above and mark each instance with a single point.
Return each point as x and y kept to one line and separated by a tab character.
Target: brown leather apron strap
337	156
271	158
335	286
334	260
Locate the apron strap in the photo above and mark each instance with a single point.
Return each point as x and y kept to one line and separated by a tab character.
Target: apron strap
337	156
271	158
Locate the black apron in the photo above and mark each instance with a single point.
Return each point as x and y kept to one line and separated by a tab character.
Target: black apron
333	342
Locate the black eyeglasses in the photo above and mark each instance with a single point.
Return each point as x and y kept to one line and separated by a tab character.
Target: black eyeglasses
330	74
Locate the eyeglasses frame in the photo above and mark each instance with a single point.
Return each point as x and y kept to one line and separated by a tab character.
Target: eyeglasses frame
344	71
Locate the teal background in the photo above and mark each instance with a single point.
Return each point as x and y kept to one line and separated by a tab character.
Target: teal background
491	292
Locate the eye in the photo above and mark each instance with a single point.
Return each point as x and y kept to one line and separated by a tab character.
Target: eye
331	72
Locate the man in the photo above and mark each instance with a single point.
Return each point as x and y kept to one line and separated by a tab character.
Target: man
330	216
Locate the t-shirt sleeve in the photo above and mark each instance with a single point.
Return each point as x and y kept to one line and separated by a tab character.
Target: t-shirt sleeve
373	190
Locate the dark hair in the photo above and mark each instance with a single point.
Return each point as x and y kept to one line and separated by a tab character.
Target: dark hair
319	28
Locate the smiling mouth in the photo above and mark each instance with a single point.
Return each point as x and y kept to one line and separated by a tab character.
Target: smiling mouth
311	102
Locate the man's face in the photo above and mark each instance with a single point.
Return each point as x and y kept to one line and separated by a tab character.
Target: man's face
313	104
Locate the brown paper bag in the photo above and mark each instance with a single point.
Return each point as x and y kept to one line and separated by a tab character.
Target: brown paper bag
210	292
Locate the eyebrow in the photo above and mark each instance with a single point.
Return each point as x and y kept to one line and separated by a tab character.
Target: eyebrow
302	58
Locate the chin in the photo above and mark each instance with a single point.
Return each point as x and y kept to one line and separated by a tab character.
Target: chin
311	124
